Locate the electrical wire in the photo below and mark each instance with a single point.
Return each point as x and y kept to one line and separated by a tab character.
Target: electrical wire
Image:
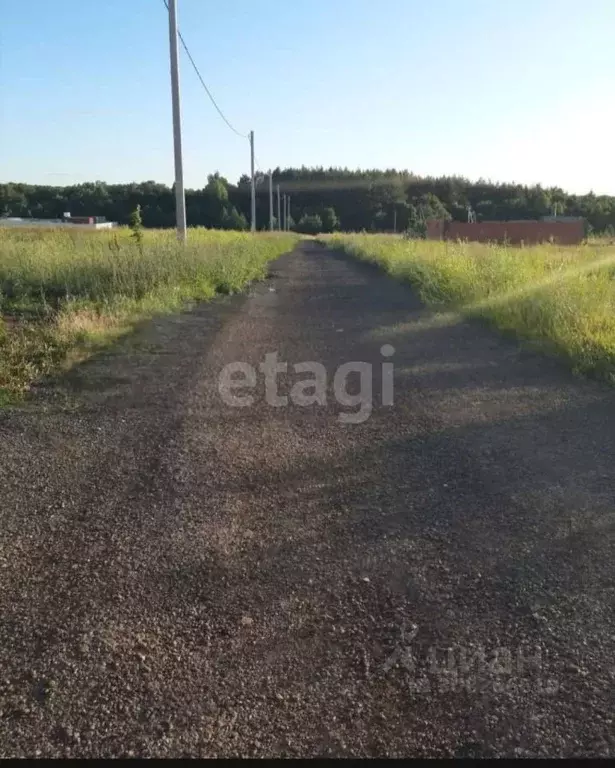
207	91
261	175
258	167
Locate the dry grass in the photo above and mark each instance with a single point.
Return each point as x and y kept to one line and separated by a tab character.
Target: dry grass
88	322
63	295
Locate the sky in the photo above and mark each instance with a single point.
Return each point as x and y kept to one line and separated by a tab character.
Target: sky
504	90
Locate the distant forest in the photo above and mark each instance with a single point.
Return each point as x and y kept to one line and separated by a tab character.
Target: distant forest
322	200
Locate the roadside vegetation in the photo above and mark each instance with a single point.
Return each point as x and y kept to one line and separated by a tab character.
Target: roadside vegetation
64	295
322	200
561	297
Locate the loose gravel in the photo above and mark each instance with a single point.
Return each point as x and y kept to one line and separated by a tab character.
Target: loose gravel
183	578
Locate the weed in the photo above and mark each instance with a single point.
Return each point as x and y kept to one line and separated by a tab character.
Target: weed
136	228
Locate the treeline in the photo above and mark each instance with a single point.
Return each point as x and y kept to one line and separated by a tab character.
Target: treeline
322	200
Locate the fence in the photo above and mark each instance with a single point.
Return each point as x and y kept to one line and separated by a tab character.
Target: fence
569	232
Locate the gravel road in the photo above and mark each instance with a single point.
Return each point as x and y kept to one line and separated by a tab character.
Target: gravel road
183	578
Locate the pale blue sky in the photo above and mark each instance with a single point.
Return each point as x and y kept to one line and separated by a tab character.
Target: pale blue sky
510	91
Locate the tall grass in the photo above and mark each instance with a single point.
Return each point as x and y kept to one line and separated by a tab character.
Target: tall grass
561	297
64	294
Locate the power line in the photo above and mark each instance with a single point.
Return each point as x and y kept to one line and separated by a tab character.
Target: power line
258	167
207	91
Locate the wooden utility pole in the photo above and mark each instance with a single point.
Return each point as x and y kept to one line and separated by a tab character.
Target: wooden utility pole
180	196
279	215
271	201
253	202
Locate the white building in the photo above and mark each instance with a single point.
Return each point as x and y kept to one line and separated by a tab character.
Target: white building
66	222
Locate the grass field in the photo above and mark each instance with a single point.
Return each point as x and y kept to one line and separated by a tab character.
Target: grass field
63	295
560	297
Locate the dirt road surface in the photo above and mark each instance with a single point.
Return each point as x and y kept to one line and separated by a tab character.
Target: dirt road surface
181	577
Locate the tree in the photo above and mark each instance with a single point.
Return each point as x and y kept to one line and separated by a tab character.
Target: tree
217	187
234	220
352	200
329	220
431	207
426	206
310	224
13	200
538	203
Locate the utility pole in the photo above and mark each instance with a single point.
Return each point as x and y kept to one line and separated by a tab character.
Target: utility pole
180	197
253	225
394	220
271	201
284	214
288	214
279	217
